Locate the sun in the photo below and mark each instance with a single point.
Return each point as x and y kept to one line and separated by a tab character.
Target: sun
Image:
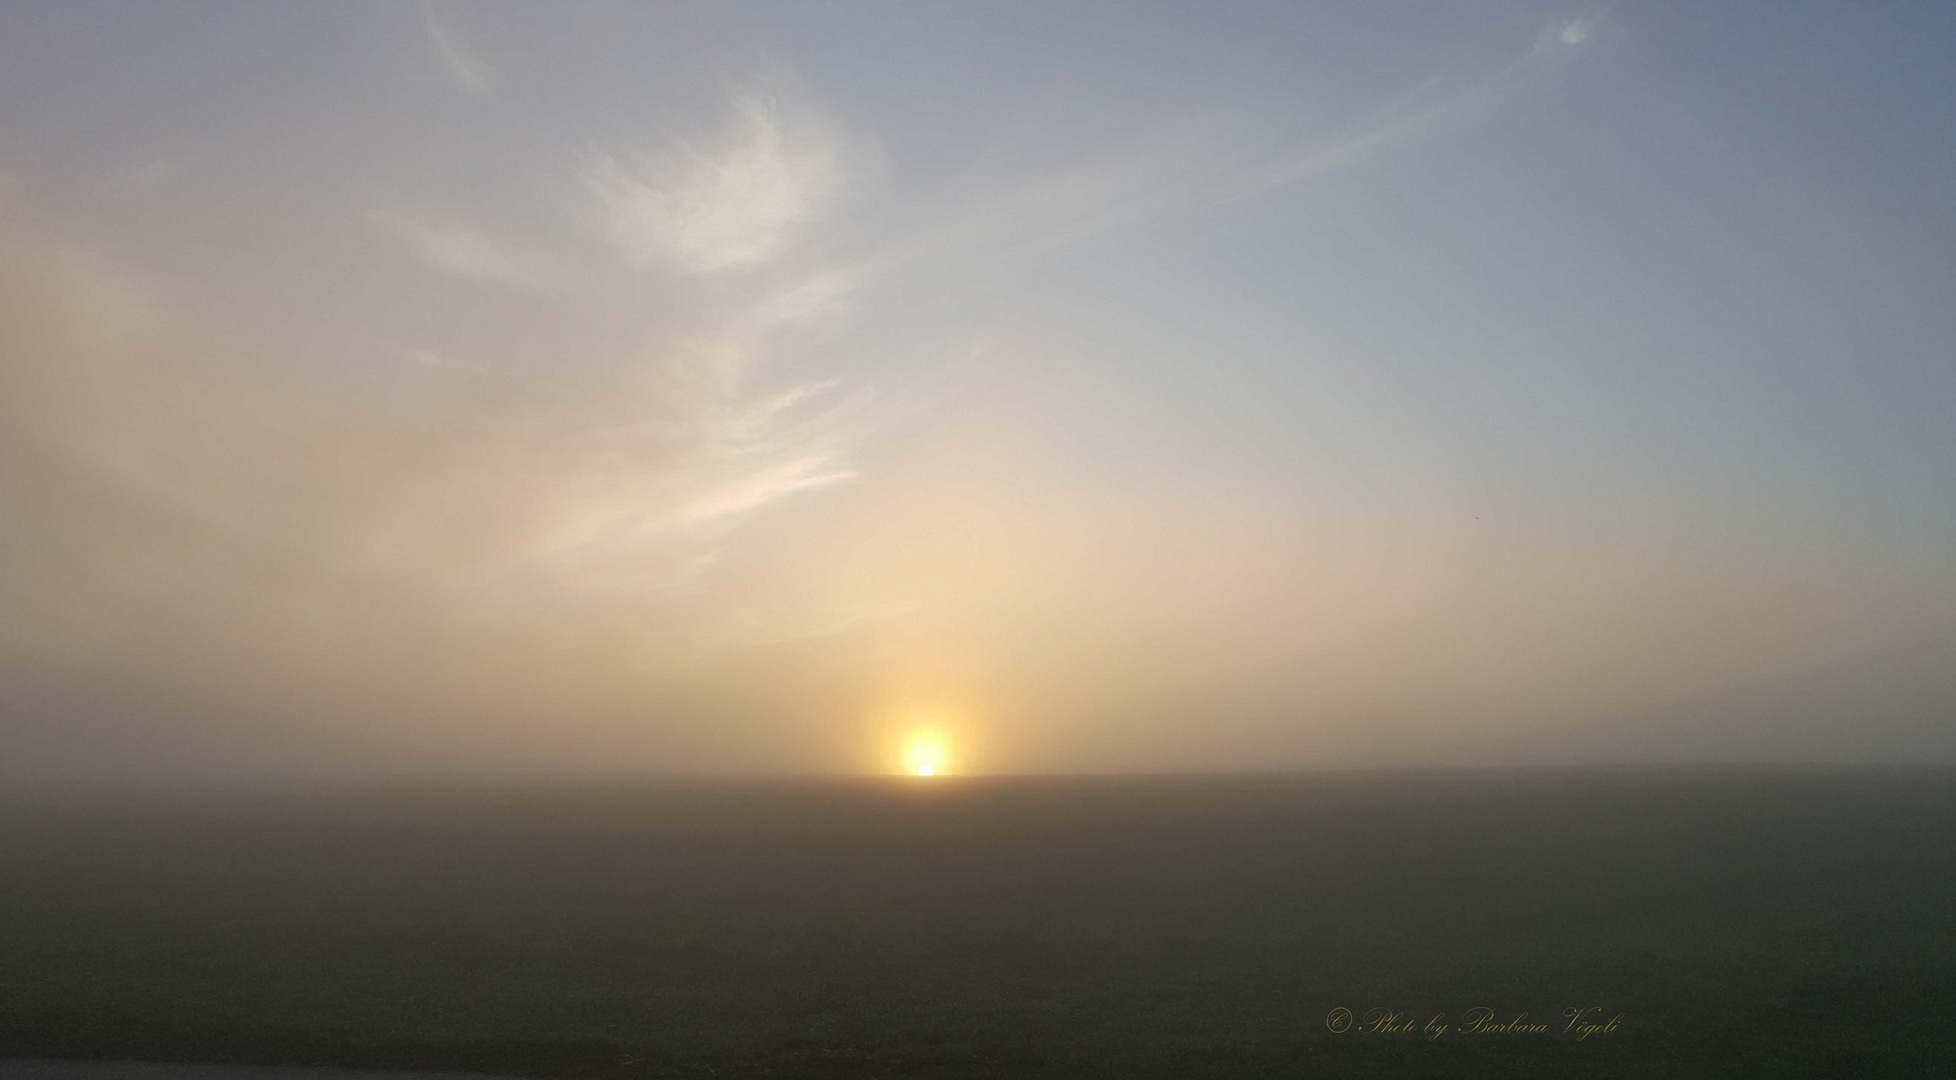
925	737
925	754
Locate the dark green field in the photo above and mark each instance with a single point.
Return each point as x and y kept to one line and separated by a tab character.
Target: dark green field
1742	922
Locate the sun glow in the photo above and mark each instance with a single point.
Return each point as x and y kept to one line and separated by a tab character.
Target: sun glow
925	754
925	735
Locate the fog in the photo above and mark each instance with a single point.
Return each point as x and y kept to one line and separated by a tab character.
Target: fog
767	418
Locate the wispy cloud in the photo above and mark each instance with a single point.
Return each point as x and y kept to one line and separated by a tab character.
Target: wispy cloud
592	498
757	489
454	58
147	174
415	354
735	204
1203	162
1102	187
456	248
1429	110
823	293
1570	31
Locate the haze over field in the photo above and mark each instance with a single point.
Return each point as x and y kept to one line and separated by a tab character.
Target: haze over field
609	388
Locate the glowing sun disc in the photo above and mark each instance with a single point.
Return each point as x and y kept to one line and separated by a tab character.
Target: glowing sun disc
925	754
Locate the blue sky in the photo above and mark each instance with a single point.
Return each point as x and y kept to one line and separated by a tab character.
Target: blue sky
1110	386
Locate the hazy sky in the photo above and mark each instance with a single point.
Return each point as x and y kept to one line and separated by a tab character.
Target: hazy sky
739	387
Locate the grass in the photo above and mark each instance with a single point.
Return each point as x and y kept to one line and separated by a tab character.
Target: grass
1744	922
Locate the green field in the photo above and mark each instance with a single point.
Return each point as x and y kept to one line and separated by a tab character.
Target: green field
1742	922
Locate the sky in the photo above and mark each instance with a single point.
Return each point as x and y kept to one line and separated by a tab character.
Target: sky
605	388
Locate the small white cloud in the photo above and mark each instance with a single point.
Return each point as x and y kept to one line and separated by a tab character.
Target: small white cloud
756	489
821	294
415	354
147	174
1569	31
1430	109
716	210
459	249
455	58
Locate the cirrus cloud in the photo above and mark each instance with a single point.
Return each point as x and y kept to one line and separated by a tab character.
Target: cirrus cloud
718	208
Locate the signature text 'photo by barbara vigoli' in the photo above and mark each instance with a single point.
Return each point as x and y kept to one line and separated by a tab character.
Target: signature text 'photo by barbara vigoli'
1577	1022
